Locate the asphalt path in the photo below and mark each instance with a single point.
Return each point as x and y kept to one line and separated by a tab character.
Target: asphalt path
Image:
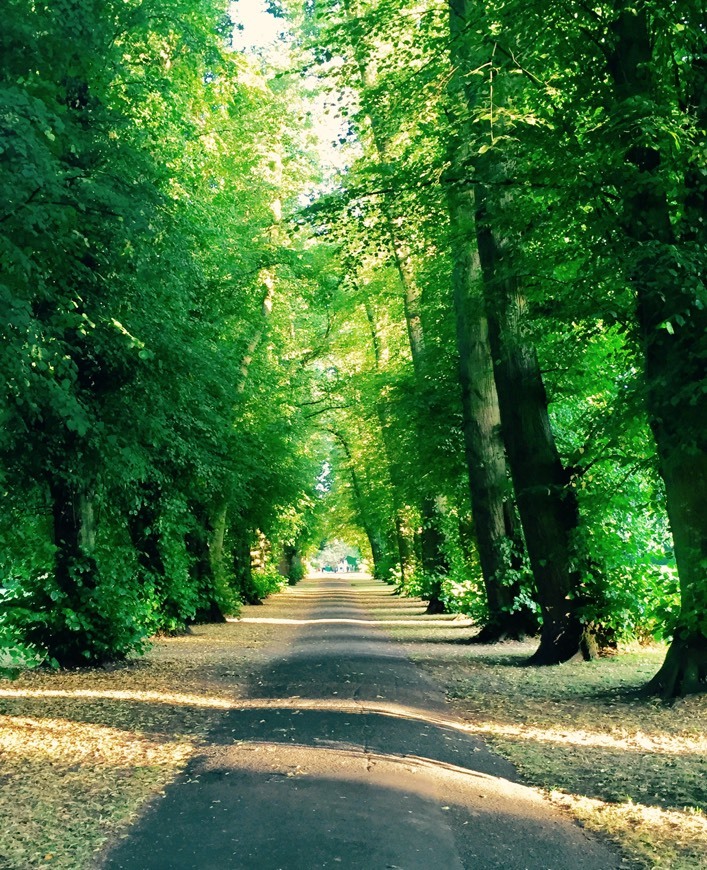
344	755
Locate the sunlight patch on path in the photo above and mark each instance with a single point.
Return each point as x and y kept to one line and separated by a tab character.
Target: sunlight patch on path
297	759
661	744
268	620
122	695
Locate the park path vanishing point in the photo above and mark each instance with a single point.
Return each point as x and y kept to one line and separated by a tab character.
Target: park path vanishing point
345	755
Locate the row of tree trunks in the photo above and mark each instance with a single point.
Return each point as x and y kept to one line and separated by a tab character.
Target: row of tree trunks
379	550
492	509
404	546
547	507
431	534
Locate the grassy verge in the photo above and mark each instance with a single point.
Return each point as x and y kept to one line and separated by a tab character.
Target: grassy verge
81	752
631	768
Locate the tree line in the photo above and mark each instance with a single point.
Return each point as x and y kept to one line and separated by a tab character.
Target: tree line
528	208
149	348
491	324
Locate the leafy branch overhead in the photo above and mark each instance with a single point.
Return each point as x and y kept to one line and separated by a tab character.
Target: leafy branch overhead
428	279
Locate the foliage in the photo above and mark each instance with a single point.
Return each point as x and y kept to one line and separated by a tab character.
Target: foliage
200	316
547	126
141	205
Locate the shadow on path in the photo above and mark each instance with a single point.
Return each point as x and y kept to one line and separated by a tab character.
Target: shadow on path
344	755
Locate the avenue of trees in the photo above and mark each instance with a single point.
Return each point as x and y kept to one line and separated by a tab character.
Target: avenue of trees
150	409
478	353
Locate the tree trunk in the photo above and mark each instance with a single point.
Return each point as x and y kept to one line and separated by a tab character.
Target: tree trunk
197	544
403	544
412	306
547	509
243	565
74	537
284	569
493	517
434	562
379	553
216	542
547	505
672	320
375	541
144	535
76	575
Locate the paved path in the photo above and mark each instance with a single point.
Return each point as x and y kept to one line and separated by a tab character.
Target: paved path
344	755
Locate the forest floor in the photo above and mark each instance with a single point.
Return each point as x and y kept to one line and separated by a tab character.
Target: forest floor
631	767
82	751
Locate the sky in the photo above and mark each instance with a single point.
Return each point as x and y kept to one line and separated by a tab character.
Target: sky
260	29
260	33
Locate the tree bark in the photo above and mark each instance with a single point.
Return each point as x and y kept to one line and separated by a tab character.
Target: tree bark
403	544
143	528
672	321
489	487
243	564
197	543
216	541
76	575
547	505
431	533
374	539
434	561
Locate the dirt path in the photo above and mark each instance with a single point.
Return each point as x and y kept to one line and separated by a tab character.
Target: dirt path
343	754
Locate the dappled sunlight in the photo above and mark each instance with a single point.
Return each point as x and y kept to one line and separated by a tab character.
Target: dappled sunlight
110	738
67	742
295	759
271	620
172	698
85	771
636	742
345	705
628	766
453	785
646	829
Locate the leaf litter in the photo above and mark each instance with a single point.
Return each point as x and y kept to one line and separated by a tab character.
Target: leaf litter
628	766
83	751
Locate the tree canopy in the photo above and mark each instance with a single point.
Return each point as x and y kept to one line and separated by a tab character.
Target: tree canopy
468	336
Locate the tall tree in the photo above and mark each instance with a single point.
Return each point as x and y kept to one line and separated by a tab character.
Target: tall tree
667	273
546	504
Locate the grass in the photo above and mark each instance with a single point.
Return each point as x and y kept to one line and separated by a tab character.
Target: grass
630	767
82	751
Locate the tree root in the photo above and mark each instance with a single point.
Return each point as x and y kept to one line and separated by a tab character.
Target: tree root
684	671
560	641
497	632
435	606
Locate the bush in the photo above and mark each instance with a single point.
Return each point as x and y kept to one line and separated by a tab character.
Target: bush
266	580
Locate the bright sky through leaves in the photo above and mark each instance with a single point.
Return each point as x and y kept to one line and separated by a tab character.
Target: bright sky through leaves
255	27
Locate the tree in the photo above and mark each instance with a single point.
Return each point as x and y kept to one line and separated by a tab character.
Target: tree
666	271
